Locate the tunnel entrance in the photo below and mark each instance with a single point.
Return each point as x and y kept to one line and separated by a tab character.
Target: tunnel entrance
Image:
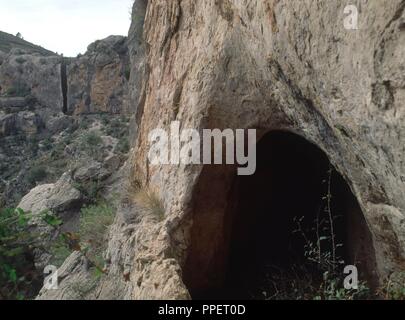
276	233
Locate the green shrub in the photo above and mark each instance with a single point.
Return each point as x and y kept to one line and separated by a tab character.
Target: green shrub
20	60
18	89
47	144
37	174
394	288
17	271
94	223
93	139
90	189
123	146
10	92
105	119
60	251
127	73
31	102
82	289
118	128
91	142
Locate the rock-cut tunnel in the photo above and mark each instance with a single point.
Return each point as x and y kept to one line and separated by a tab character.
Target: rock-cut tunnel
249	232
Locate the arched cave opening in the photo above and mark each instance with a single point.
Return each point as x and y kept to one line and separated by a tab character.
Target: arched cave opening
259	236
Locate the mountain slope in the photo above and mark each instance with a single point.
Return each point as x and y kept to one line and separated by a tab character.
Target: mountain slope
8	42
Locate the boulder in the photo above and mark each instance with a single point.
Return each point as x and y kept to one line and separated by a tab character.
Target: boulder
90	171
112	163
60	199
58	123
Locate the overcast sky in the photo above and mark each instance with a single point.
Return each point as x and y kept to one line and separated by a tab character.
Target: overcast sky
65	26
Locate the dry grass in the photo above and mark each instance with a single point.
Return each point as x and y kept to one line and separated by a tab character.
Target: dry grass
150	201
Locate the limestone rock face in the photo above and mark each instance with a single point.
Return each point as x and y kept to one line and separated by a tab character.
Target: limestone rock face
26	122
32	74
139	70
275	65
286	65
97	81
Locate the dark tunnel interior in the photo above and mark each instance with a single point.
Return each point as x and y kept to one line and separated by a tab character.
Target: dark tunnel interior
295	207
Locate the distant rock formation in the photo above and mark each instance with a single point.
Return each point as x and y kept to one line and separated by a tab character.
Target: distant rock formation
97	82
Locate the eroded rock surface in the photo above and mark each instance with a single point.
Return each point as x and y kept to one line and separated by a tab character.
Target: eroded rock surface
60	199
25	74
97	81
273	65
277	65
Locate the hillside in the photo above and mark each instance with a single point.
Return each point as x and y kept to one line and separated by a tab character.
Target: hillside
8	42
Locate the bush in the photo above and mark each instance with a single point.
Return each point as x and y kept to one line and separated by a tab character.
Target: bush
91	142
93	139
60	251
318	274
105	119
127	73
11	92
20	60
81	289
31	102
117	129
123	146
18	89
17	271
94	223
37	174
90	240
90	189
394	288
47	144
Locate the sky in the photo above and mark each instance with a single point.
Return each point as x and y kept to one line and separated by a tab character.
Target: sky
65	26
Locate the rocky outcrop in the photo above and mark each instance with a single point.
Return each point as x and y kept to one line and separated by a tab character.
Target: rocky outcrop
24	74
97	81
139	70
26	122
40	102
60	199
276	66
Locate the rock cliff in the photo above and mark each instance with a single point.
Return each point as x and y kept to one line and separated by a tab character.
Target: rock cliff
97	81
45	97
272	65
